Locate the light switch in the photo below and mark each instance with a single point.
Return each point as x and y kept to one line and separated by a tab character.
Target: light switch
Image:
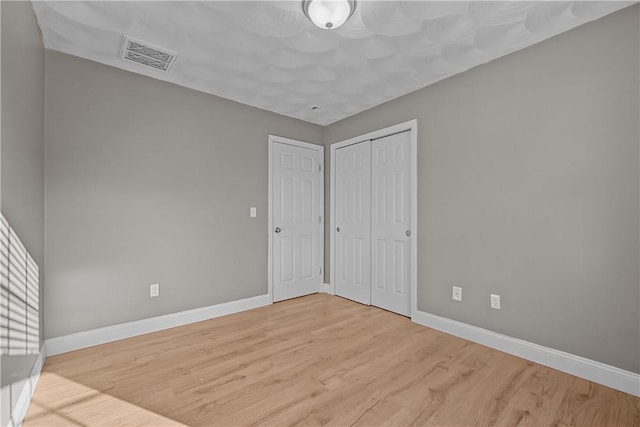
495	301
154	290
252	212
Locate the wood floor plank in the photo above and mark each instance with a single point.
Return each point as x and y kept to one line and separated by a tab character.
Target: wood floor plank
314	361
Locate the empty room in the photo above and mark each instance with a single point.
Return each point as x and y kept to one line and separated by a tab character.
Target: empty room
320	212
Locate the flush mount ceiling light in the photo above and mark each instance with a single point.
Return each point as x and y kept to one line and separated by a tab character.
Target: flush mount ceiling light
328	14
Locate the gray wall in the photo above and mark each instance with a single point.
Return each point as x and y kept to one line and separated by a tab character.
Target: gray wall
528	187
22	162
23	125
148	182
0	108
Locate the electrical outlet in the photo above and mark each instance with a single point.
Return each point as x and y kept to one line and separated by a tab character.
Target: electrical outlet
495	301
457	293
154	290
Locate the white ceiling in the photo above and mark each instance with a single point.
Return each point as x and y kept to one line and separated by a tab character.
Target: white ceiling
269	55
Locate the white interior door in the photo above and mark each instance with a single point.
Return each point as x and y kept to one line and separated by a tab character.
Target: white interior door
391	223
353	222
296	220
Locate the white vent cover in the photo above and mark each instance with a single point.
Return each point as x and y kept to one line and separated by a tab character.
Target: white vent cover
146	54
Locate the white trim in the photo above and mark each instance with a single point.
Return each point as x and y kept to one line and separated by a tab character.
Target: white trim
413	124
332	216
273	139
412	127
270	221
121	331
25	390
327	288
610	376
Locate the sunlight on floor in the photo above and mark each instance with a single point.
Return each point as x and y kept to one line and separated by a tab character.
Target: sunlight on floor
72	404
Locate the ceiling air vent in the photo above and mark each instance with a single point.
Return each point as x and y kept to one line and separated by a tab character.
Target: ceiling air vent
146	54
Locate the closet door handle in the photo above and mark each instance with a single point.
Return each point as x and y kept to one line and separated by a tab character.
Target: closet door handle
408	233
277	230
338	229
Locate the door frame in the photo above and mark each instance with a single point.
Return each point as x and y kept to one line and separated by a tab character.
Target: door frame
274	139
412	127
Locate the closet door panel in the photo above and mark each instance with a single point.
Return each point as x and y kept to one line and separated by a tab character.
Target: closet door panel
390	227
353	222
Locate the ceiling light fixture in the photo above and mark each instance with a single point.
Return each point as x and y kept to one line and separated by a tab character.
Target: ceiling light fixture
328	14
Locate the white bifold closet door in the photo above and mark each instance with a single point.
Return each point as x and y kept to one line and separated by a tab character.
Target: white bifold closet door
353	219
390	224
372	217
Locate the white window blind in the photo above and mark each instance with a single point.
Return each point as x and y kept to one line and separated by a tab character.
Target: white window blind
19	295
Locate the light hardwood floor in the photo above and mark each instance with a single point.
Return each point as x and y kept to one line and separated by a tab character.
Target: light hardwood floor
314	360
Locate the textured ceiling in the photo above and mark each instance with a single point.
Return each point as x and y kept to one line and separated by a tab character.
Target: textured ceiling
269	55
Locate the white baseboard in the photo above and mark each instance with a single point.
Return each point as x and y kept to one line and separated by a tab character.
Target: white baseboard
327	288
23	390
600	373
121	331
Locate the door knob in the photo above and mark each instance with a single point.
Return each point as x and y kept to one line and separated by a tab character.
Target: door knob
277	230
338	229
408	233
